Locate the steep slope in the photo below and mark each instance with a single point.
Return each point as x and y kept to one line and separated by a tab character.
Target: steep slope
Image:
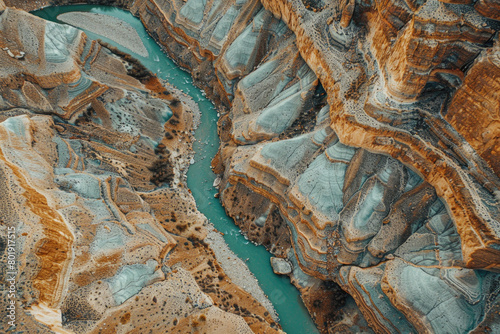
359	142
93	155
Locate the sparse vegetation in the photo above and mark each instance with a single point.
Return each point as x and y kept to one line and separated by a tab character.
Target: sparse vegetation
163	171
136	69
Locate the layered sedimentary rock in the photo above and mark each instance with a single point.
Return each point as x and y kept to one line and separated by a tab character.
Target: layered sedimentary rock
93	154
383	179
360	143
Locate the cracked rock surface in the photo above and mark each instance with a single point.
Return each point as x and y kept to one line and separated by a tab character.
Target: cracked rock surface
106	229
359	140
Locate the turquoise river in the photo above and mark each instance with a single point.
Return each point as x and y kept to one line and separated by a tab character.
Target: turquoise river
294	317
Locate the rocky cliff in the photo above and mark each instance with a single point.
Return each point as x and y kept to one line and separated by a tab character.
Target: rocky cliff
93	155
359	140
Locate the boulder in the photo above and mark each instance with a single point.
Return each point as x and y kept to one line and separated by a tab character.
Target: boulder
281	266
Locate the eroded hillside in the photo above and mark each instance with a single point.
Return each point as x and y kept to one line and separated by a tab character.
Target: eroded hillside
360	142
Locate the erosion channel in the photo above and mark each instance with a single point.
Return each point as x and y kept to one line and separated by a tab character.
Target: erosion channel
294	317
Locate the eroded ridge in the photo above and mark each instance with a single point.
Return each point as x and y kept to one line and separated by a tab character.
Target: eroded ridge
94	151
404	90
388	70
359	143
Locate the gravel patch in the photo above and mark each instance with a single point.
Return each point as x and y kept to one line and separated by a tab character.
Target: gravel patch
236	269
233	266
108	26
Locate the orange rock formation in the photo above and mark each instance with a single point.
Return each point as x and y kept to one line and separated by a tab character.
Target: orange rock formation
84	161
359	140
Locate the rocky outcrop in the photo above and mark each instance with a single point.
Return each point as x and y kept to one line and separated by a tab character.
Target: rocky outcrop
384	175
281	266
382	130
473	111
359	142
93	154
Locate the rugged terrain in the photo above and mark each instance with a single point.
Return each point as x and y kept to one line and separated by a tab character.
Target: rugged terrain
93	155
360	142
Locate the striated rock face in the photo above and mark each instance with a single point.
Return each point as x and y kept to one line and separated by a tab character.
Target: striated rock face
106	229
358	141
382	185
473	110
458	175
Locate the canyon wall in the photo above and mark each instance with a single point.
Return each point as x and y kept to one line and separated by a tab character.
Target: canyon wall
94	151
384	185
359	142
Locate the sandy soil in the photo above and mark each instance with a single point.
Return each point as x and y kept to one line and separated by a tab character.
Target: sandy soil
125	35
236	269
108	26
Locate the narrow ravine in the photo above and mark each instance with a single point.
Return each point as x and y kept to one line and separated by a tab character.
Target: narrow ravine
294	317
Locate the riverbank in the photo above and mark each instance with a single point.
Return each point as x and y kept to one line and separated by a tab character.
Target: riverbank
119	32
108	230
236	269
110	27
285	297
